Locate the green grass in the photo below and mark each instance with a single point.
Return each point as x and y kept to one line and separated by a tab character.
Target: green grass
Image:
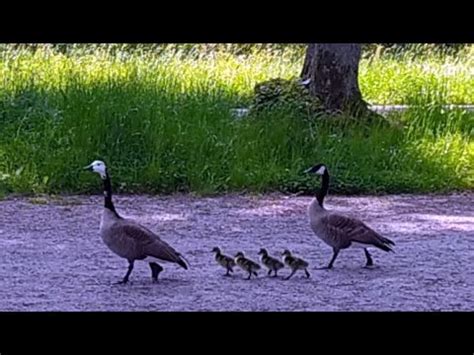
404	80
163	124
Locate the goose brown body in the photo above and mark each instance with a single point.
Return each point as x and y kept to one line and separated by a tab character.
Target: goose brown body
339	231
132	241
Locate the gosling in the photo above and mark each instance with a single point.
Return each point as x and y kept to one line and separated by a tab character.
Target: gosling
271	264
246	264
225	261
295	264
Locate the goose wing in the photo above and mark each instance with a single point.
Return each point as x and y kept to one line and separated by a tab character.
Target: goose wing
248	264
295	263
276	263
253	264
149	243
302	263
348	230
230	261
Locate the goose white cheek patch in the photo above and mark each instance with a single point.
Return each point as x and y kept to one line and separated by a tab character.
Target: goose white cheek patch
99	167
321	170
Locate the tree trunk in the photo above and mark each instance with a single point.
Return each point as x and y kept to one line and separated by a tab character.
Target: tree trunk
308	61
333	70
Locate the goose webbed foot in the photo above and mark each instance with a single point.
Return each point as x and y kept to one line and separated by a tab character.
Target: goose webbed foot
325	268
370	262
127	275
155	271
289	276
334	256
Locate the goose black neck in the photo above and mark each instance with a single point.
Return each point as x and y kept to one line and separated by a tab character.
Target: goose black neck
321	194
108	195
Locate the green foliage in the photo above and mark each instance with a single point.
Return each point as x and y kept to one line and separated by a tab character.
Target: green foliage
163	123
284	94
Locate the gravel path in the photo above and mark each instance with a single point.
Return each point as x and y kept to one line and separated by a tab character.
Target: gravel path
53	258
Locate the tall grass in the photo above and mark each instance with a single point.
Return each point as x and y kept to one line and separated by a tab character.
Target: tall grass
162	122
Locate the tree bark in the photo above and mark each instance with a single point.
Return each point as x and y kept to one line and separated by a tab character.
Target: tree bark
333	70
308	61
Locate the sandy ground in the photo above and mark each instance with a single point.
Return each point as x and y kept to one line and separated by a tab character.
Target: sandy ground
52	258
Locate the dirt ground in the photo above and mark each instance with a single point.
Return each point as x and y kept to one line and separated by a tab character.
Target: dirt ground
52	258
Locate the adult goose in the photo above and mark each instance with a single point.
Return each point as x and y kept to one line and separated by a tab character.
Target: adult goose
339	231
127	238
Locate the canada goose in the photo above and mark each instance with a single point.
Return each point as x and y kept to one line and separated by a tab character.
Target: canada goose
127	238
272	264
339	231
225	261
246	264
295	264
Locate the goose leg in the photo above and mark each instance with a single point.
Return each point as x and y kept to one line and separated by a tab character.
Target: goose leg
250	274
275	274
227	273
307	273
155	270
369	258
127	275
269	272
334	256
292	273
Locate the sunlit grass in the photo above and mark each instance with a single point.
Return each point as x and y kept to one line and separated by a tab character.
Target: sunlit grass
163	124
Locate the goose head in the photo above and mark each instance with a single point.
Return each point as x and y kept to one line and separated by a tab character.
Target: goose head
286	253
318	169
99	167
263	252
